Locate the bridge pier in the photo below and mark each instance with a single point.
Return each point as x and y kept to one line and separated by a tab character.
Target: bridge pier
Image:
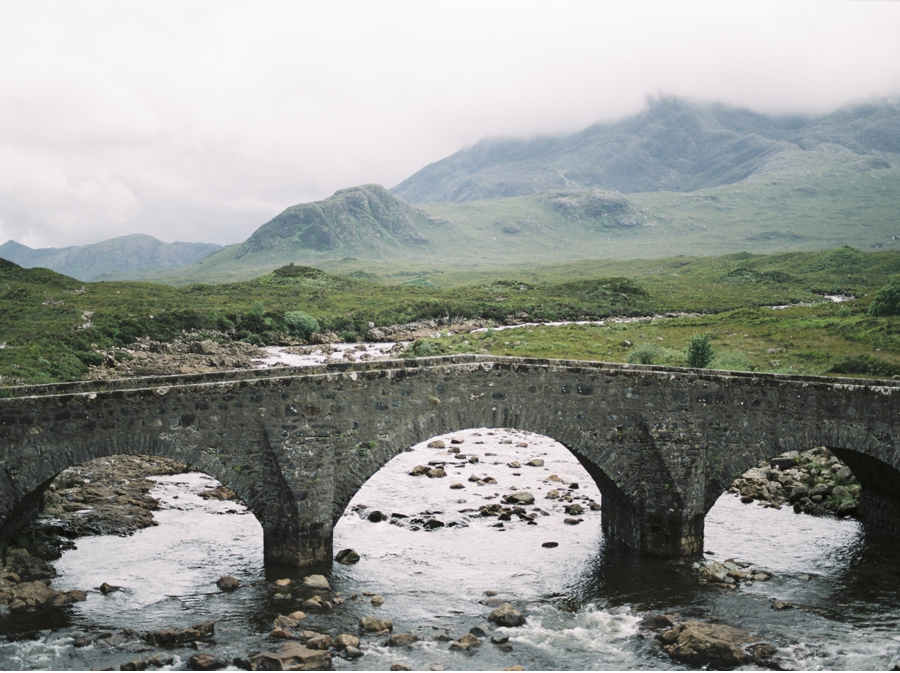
311	547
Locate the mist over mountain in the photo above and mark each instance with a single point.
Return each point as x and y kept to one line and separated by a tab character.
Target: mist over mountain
674	146
122	254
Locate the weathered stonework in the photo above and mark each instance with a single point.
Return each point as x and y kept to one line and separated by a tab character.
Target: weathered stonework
297	444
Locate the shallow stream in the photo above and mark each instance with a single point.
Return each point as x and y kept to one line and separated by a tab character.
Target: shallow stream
582	598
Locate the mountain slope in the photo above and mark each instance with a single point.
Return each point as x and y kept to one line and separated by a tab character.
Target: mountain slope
123	254
673	146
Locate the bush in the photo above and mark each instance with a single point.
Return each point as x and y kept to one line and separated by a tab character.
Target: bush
699	351
887	300
300	324
645	354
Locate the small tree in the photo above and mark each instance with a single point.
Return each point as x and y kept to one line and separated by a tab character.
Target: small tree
301	324
699	351
887	299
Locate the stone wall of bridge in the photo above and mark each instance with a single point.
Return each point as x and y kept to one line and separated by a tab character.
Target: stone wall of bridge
297	444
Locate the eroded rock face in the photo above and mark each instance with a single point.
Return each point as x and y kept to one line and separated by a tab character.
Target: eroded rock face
712	645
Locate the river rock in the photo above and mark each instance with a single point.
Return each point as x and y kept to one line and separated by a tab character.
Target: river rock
375	516
108	588
136	665
419	470
319	641
316	582
436	473
550	545
519	498
345	640
437	444
377	600
782	605
315	603
658	622
846	508
352	652
283	582
574	509
507	615
400	666
205	661
552	494
713	645
515	464
191	634
291	657
161	659
373	624
401	640
457	486
288	622
798	493
220	492
535	462
347	556
226	583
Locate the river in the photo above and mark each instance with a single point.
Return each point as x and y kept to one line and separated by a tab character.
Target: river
583	598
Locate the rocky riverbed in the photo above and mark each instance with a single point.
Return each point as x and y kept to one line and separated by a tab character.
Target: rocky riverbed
145	357
813	482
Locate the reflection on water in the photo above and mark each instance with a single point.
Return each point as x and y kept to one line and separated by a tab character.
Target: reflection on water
583	597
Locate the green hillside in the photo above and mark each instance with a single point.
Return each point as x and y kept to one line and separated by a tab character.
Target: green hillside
53	327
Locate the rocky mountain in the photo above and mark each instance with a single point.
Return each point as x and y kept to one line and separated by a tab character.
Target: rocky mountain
673	146
358	218
122	254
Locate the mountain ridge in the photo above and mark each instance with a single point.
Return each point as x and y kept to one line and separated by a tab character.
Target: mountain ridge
674	145
130	253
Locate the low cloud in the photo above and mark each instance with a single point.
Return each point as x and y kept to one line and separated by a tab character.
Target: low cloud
199	121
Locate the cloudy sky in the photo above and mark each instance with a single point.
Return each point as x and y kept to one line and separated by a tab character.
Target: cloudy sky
198	121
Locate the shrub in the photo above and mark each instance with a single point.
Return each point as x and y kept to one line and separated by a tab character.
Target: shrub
699	351
645	354
300	324
887	300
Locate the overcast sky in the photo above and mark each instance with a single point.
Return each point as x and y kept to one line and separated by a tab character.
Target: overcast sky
199	121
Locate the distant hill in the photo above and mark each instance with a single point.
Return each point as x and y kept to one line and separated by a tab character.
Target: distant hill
122	254
674	146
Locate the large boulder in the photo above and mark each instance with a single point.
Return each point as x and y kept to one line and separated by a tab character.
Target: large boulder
713	645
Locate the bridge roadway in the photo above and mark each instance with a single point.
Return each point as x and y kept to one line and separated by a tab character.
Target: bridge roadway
296	444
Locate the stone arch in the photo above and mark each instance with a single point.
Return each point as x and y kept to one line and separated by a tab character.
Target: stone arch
875	464
620	515
256	492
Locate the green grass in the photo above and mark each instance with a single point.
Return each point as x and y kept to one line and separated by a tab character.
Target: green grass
54	326
800	340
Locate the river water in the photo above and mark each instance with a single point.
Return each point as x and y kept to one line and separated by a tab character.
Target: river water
583	598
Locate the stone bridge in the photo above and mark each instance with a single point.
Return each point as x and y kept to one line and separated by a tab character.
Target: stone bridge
662	444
